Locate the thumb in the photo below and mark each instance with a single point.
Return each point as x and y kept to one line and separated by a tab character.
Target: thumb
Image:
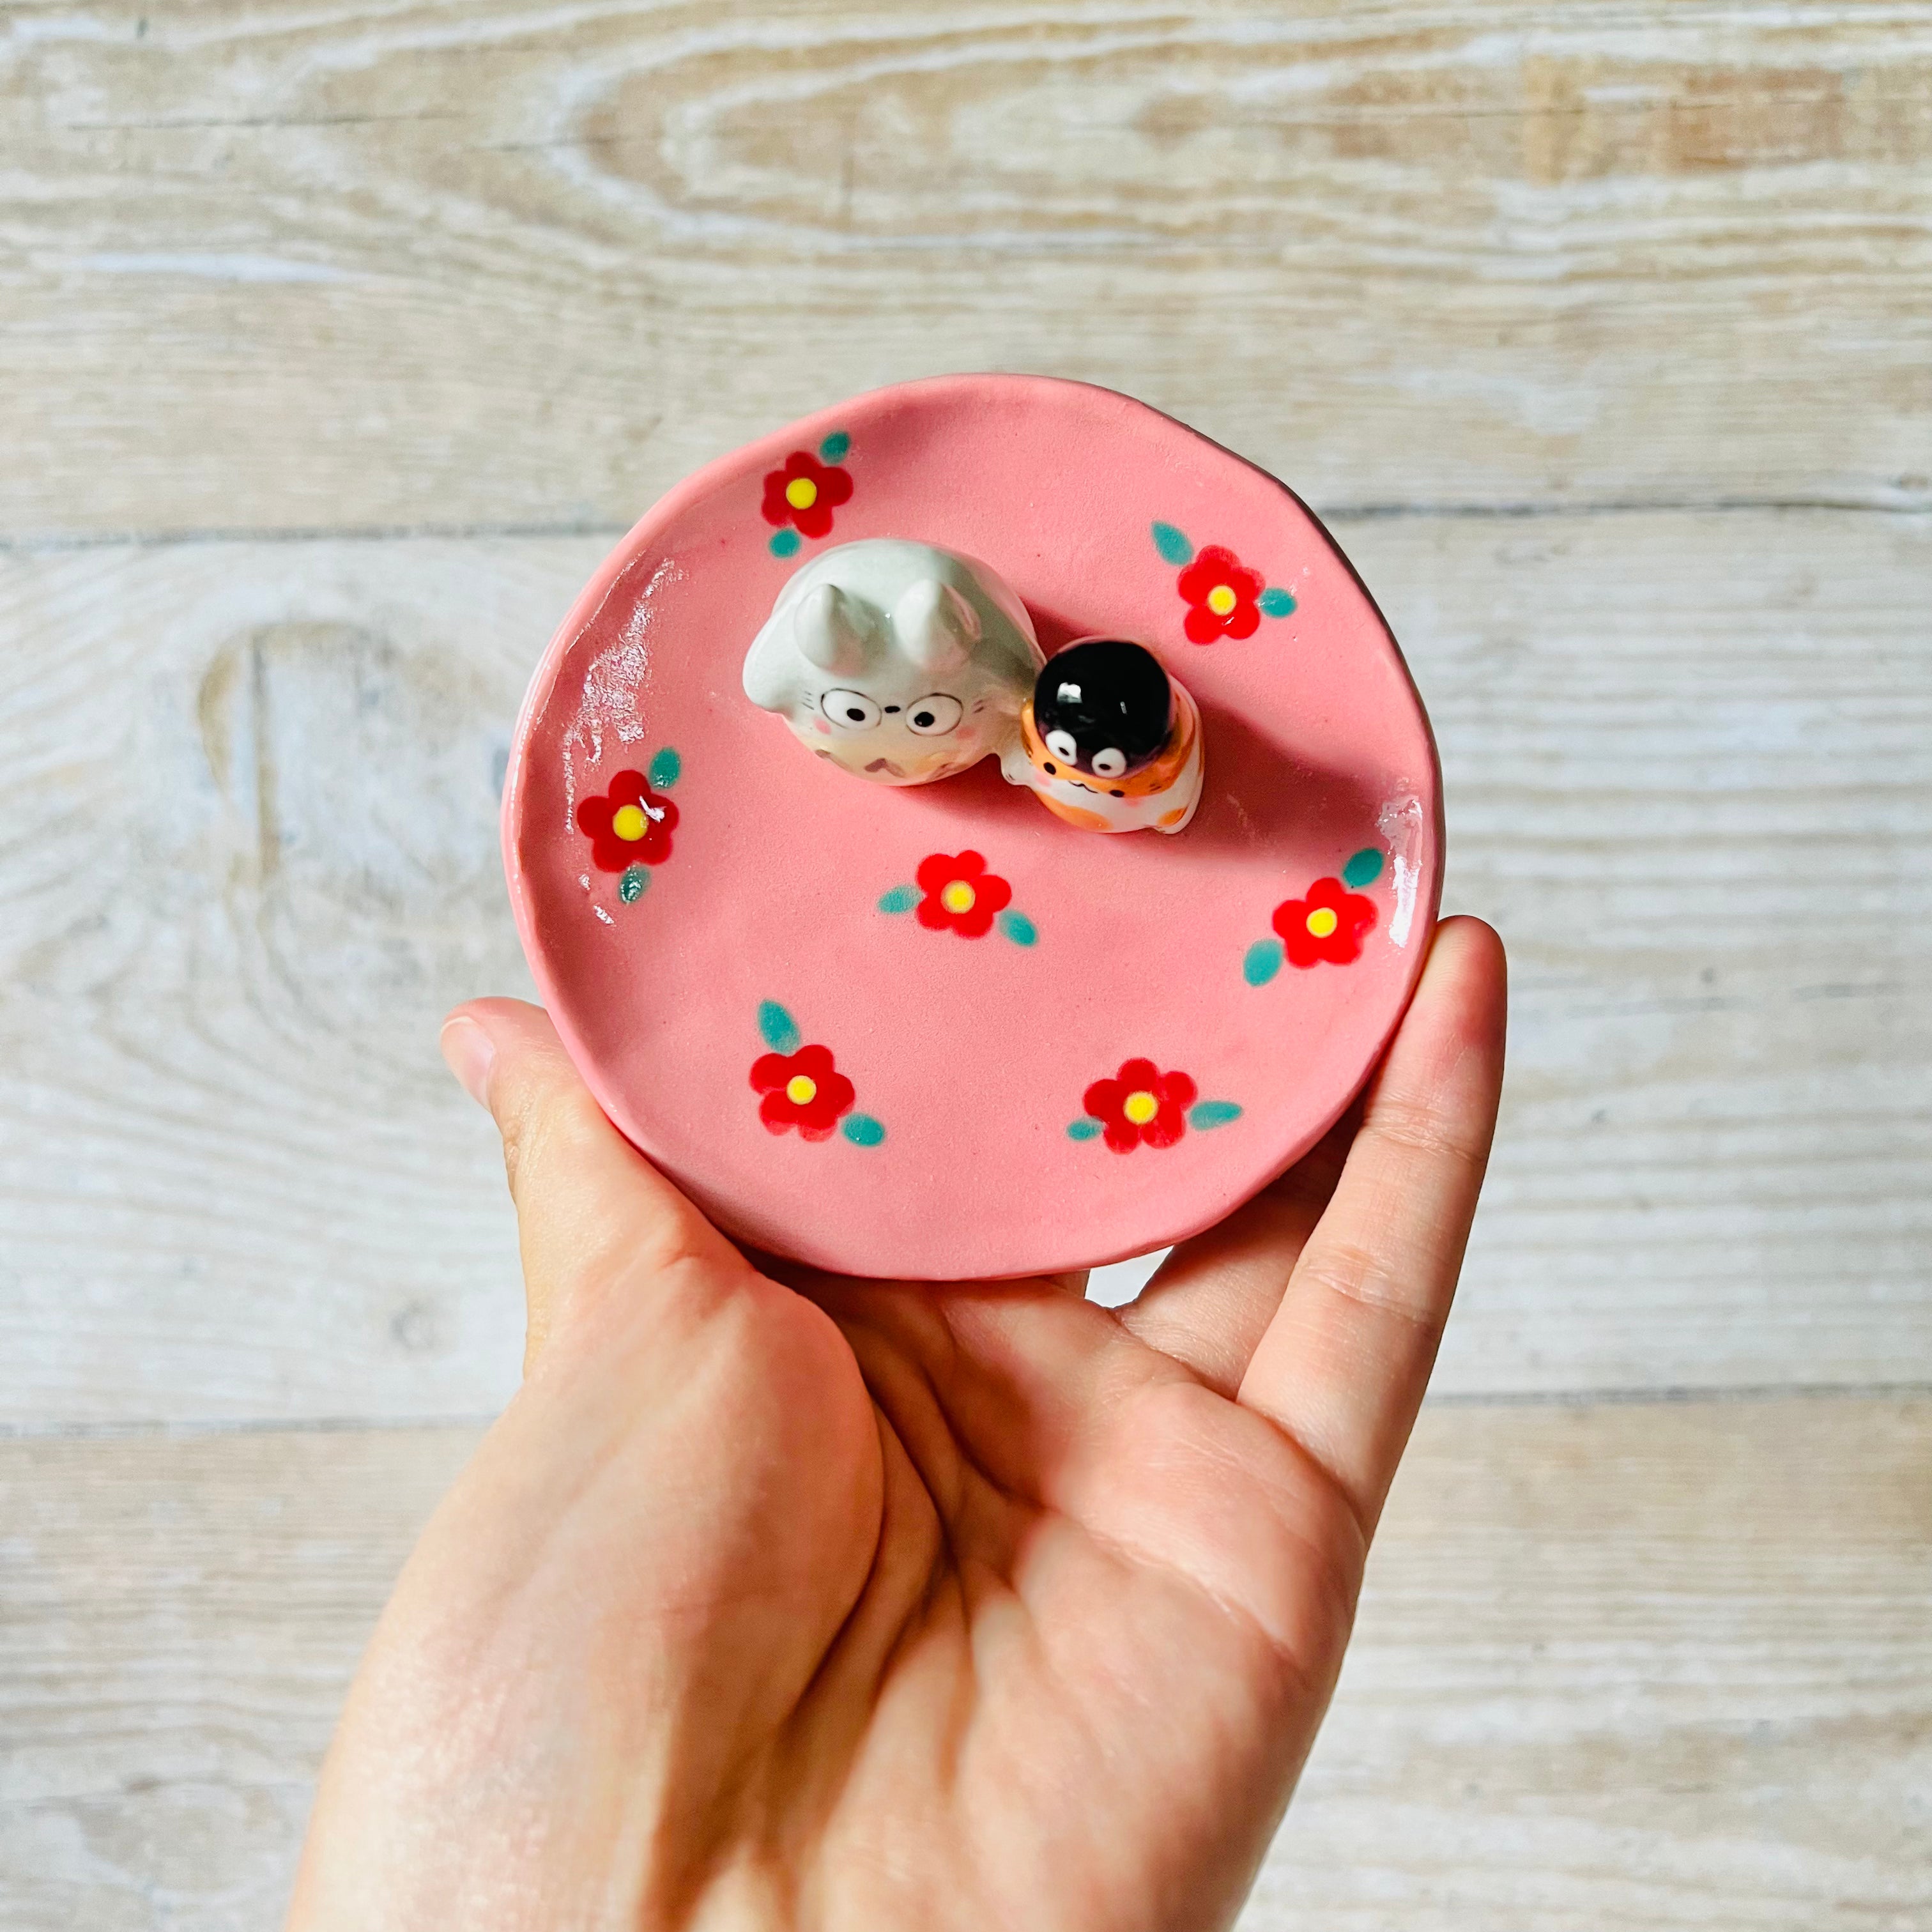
592	1214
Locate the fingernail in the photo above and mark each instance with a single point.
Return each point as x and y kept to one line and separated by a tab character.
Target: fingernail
471	1054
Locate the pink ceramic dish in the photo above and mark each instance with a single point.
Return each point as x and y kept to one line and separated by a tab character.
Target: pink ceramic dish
771	990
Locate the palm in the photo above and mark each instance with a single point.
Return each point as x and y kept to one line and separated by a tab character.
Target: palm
1070	1521
819	1602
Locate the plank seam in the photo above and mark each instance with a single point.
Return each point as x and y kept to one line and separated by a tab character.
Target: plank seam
1684	1397
1339	513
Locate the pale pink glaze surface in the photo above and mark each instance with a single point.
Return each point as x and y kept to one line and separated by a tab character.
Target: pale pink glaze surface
975	1053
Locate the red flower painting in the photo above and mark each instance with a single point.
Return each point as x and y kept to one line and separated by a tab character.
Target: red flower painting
805	493
629	825
1142	1104
1329	924
802	1089
1223	596
960	895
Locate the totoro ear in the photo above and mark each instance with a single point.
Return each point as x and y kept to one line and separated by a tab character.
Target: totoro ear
771	673
937	627
828	631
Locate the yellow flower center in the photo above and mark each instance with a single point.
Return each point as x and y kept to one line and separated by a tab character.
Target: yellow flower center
1221	599
958	897
629	821
1322	921
800	1090
801	492
1140	1109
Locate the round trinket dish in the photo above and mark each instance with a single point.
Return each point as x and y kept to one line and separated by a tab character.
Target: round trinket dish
774	832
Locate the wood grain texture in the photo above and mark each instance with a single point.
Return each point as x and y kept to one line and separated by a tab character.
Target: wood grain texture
1556	304
251	859
1643	1666
1636	1665
178	1622
292	265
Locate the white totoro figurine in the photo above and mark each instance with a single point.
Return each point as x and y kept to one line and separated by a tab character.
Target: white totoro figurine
901	662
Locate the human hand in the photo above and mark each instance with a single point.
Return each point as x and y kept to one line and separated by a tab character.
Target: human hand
779	1599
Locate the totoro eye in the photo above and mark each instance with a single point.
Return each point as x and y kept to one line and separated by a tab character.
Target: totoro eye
933	717
1061	744
849	710
1109	764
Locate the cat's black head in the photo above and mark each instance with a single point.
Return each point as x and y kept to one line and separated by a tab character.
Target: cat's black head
1103	706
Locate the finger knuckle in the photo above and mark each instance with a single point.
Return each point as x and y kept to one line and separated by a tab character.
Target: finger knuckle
1356	1275
1414	1127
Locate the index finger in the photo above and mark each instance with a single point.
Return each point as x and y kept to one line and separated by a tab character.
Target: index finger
1342	1366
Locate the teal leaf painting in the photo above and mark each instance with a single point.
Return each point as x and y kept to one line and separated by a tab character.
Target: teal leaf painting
1263	962
835	449
631	886
665	770
1212	1114
1277	603
1172	544
900	899
785	543
1364	869
1085	1129
1017	927
861	1130
779	1029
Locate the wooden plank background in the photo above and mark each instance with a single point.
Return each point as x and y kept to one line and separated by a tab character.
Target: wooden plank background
338	342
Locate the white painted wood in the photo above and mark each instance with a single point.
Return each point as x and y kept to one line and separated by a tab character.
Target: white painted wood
251	859
178	1622
507	270
1636	1665
1118	1282
1633	1666
311	264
